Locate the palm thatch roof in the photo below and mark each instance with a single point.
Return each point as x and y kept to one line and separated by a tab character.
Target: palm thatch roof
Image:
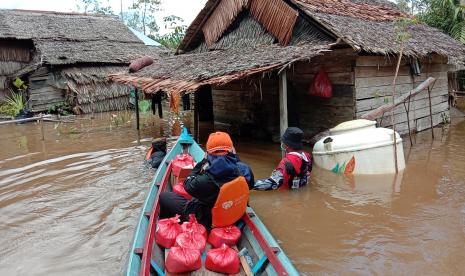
232	39
371	27
70	38
186	73
365	25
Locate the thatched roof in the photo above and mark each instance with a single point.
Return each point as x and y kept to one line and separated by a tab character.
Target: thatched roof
70	38
186	73
365	25
254	37
371	27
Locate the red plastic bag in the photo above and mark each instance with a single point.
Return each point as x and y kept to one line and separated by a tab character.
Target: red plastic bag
182	260
182	161
179	189
321	85
191	240
228	235
223	260
193	226
167	231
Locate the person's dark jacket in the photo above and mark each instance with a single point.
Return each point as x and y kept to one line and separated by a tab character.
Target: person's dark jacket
205	180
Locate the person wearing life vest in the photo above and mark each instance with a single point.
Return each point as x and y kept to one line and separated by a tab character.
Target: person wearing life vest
294	169
219	185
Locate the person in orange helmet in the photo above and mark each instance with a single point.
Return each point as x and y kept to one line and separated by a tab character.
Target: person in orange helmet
219	175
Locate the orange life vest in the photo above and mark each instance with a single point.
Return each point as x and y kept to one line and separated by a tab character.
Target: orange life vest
149	153
231	203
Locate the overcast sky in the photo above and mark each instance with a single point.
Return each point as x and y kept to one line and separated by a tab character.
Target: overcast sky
186	9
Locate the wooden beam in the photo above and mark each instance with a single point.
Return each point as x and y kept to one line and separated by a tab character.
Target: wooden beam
283	121
376	113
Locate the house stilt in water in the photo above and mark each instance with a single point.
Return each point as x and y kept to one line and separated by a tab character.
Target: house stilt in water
66	58
258	58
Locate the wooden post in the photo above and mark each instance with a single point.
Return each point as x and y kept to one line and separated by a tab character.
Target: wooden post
283	119
196	117
137	107
283	122
430	112
42	126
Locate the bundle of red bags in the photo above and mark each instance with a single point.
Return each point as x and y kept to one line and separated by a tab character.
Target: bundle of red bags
188	241
228	235
189	244
223	260
193	226
167	231
181	260
181	161
191	240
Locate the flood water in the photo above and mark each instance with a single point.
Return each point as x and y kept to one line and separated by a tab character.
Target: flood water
69	204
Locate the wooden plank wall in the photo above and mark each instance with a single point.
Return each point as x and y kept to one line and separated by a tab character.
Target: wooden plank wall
314	114
373	86
248	107
42	95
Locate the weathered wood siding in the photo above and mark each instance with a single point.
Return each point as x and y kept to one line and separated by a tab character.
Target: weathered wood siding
247	107
252	106
43	91
373	86
314	114
13	57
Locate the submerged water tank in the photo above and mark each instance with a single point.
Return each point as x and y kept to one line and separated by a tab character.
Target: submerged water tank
359	147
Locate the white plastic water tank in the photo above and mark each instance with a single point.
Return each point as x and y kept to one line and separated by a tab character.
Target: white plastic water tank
359	147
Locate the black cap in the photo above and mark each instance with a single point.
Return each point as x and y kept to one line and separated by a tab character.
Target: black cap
293	138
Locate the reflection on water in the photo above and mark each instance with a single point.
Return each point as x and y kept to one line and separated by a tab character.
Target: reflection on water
69	205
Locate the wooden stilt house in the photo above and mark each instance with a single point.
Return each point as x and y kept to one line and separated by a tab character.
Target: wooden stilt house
256	60
66	58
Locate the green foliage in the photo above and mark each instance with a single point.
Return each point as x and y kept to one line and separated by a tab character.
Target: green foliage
62	108
94	6
141	16
13	104
401	29
411	6
447	15
19	84
173	39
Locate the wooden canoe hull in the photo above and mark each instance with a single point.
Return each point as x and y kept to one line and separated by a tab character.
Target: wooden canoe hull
259	242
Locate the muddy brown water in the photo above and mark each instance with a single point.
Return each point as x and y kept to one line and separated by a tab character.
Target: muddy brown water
69	205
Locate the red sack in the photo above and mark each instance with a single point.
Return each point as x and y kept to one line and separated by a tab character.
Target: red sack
182	260
193	226
140	63
321	86
167	231
223	260
179	189
181	161
191	240
228	235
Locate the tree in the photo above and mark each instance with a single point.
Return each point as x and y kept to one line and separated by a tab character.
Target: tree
173	39
94	6
411	6
447	15
141	16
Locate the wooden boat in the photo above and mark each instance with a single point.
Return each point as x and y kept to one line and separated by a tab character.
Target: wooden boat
259	251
